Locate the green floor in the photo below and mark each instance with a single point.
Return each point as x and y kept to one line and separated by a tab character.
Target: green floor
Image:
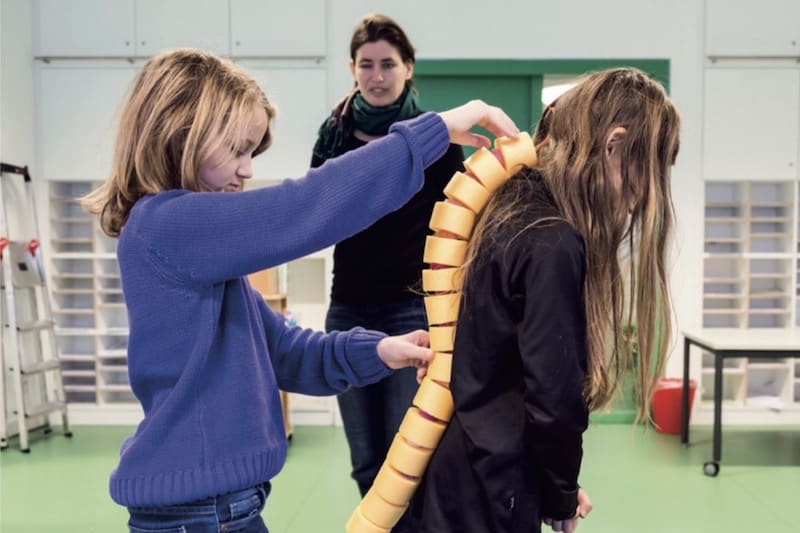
641	482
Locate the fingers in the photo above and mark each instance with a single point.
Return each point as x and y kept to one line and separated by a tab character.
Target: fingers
421	355
418	356
410	349
566	526
420	337
472	139
499	123
584	509
460	120
584	504
422	371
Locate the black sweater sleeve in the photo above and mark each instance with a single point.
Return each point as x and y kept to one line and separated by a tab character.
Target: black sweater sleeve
552	344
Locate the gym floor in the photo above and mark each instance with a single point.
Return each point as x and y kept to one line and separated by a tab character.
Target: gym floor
639	481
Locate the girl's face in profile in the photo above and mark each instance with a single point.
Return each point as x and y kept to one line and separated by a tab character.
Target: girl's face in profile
224	171
380	73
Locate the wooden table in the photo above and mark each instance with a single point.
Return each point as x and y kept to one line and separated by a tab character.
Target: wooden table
729	343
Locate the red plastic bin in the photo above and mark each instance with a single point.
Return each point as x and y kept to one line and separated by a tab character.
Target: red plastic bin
667	404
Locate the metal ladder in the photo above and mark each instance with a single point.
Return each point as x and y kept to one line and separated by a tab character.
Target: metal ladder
30	353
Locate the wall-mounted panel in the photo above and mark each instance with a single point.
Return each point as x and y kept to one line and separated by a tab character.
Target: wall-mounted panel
84	28
166	24
77	118
751	123
769	28
272	28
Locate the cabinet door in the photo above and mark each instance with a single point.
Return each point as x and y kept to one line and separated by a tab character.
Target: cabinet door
300	97
84	28
272	28
78	111
167	24
769	28
751	124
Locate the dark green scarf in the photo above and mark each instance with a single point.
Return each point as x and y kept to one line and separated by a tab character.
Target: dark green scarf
355	113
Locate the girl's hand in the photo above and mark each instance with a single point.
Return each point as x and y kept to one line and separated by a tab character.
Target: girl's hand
568	526
410	349
461	119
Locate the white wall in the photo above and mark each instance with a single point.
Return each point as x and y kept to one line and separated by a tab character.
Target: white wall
16	82
16	103
574	29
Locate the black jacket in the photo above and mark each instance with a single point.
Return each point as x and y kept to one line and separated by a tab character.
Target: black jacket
512	451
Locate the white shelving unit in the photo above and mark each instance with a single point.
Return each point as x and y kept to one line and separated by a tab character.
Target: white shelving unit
91	322
751	281
751	261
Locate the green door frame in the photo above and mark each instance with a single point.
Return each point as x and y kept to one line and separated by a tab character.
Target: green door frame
536	69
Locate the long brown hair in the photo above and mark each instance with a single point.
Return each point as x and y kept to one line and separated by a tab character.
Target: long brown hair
182	106
571	136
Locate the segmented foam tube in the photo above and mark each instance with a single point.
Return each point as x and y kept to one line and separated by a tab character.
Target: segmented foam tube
445	252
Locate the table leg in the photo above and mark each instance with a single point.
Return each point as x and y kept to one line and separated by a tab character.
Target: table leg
685	394
717	406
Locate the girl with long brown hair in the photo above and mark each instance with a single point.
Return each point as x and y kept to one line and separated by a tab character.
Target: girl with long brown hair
539	340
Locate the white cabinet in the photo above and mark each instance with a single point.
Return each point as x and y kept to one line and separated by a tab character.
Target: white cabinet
78	28
142	28
77	115
751	123
300	96
91	322
743	28
128	28
750	280
273	28
167	24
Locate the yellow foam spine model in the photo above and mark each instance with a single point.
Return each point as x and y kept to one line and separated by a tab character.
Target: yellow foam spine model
442	338
445	251
441	280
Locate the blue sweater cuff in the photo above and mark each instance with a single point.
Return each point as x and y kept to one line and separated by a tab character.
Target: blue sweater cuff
426	134
362	354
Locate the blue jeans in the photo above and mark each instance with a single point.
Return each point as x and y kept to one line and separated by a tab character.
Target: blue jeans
238	512
372	414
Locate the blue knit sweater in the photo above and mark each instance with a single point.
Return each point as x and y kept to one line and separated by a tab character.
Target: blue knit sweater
206	356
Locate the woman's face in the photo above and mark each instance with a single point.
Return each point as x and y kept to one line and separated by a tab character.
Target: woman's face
380	73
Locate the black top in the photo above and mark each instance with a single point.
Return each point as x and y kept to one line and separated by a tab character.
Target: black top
384	262
512	451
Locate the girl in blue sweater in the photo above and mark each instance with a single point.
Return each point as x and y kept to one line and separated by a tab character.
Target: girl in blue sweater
206	356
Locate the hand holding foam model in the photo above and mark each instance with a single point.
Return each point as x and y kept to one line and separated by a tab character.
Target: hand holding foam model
406	350
461	119
445	251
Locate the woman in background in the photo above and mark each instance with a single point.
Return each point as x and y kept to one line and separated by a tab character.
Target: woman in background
376	271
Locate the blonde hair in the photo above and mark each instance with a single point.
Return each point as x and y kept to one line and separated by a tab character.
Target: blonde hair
571	136
182	106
